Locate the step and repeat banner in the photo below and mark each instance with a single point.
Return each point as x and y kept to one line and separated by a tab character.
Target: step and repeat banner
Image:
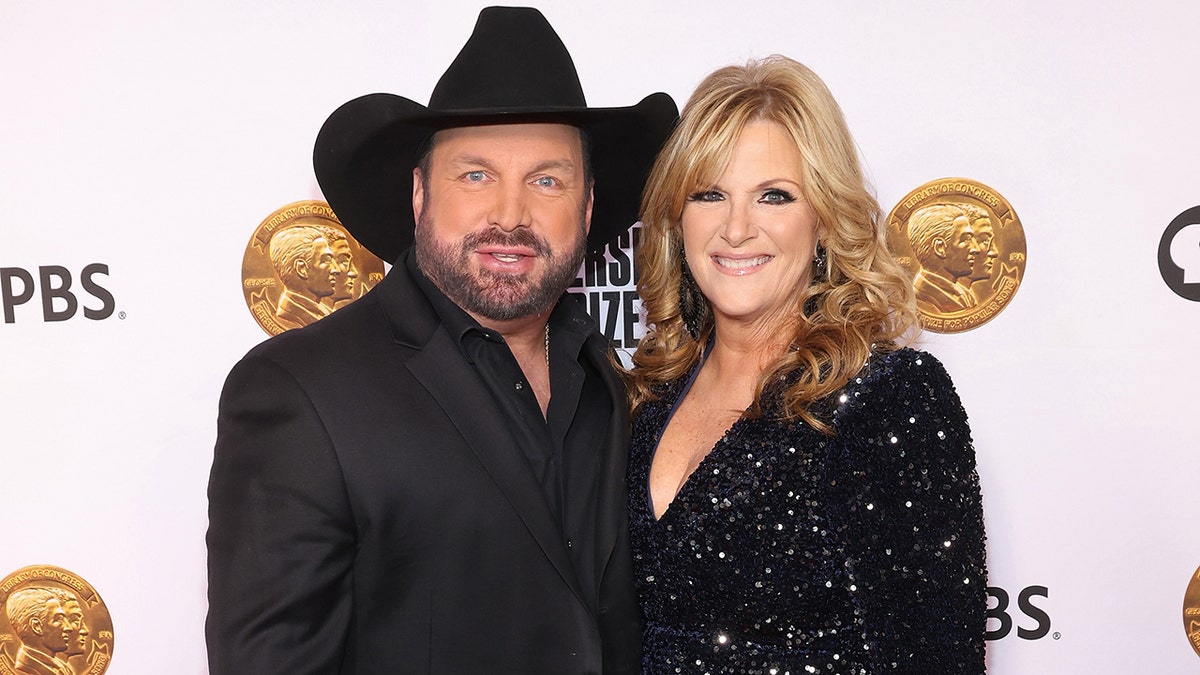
155	172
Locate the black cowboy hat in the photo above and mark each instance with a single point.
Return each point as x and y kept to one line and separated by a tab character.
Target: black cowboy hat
514	68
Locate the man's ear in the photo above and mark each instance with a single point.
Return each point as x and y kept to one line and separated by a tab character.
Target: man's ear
418	195
939	247
301	268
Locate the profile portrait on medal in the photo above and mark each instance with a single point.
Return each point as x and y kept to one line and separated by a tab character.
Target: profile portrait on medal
304	260
964	249
302	264
950	255
983	270
77	626
348	288
49	623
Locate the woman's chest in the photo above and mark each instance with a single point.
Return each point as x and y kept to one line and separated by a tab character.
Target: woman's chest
749	534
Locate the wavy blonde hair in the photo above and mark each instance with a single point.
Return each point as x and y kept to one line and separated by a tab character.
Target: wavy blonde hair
865	301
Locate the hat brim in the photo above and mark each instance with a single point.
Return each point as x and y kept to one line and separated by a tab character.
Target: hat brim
366	151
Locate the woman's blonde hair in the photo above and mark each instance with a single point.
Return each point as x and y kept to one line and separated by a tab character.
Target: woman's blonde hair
865	300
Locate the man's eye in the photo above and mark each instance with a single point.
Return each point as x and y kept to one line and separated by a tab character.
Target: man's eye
545	182
706	196
475	176
777	197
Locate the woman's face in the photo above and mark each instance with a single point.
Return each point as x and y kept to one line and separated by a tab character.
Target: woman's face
750	238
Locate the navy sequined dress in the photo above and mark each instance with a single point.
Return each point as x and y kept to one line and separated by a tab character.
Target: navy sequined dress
791	551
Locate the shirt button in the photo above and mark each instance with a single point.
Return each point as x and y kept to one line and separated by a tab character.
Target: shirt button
569	544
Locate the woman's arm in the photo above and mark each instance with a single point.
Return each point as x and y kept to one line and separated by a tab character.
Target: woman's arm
905	485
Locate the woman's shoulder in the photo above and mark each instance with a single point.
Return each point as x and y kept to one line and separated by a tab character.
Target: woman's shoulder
903	392
899	372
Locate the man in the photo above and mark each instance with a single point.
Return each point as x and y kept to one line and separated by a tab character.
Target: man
945	244
985	235
431	479
74	627
346	291
38	618
304	260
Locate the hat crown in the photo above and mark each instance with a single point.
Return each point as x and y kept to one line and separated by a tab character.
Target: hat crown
514	68
513	60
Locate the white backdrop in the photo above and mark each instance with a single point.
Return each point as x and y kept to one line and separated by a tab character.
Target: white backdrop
153	137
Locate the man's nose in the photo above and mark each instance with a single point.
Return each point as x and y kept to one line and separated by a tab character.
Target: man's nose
510	209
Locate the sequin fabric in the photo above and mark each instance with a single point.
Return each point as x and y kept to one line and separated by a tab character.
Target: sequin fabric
792	552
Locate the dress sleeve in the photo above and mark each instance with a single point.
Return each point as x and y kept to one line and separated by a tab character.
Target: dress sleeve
905	485
281	536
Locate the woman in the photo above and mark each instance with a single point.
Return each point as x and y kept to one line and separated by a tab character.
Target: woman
792	509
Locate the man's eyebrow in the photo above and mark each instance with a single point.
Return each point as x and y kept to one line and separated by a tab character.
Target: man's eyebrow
560	164
473	160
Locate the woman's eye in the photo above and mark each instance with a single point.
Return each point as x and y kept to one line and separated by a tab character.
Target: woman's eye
777	197
706	196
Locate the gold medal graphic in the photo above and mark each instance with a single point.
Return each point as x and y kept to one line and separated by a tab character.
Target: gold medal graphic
302	265
965	248
54	622
1191	612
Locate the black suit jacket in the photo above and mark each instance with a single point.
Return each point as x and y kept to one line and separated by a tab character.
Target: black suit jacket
370	513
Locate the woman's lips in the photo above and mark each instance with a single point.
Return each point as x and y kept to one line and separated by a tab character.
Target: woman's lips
739	265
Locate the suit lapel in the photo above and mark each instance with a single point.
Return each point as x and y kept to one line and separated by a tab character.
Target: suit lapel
450	380
611	510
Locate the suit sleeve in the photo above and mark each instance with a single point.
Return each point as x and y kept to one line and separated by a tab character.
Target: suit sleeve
913	515
281	536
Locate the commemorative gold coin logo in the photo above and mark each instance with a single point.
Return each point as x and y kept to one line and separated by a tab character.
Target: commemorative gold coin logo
965	248
302	265
1191	612
54	622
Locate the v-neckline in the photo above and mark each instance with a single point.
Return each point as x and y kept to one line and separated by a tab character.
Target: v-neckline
687	386
691	477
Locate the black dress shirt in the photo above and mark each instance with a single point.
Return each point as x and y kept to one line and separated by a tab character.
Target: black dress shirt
561	447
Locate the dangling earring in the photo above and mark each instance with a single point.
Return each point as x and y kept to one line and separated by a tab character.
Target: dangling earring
691	300
820	264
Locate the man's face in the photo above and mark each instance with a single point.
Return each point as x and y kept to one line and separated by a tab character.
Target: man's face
322	269
962	249
52	628
502	217
75	629
986	259
343	259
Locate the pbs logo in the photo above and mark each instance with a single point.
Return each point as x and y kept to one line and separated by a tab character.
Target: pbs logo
1030	619
1179	254
61	293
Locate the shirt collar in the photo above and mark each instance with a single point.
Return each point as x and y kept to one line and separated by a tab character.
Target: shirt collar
570	324
457	322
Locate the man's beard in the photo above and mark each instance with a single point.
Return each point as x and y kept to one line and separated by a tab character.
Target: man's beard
497	296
